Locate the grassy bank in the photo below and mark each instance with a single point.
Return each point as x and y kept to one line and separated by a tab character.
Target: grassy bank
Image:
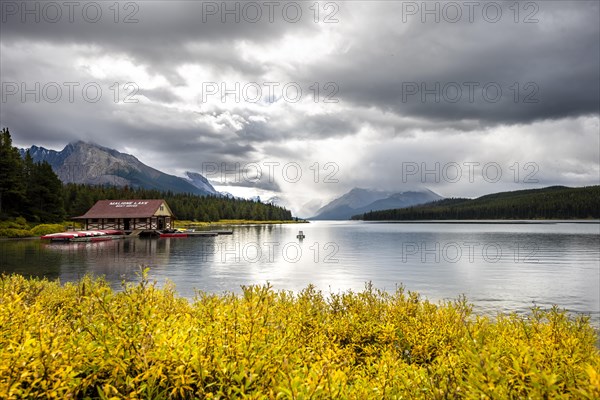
20	228
83	339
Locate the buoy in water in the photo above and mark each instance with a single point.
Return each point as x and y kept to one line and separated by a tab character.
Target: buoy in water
300	235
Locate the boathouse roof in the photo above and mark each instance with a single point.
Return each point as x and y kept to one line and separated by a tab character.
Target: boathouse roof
128	209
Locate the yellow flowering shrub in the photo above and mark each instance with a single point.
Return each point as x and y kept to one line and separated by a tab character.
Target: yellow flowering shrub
83	340
46	229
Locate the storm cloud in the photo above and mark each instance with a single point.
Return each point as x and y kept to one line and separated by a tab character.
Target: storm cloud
350	93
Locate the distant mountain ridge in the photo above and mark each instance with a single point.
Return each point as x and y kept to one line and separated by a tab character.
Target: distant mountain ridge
359	201
88	163
554	202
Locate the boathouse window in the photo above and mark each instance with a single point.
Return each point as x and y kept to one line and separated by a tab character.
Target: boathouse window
162	208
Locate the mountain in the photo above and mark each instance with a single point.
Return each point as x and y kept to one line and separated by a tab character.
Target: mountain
200	182
344	207
276	201
555	202
403	200
358	201
87	163
309	208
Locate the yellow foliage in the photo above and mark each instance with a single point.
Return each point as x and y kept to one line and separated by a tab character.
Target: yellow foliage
15	233
46	229
83	340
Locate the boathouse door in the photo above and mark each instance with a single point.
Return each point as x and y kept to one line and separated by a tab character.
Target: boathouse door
127	224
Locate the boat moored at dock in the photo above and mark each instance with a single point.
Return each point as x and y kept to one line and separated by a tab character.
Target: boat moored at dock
85	236
112	234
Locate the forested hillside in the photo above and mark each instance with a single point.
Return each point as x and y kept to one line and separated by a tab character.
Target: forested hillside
79	198
33	191
556	202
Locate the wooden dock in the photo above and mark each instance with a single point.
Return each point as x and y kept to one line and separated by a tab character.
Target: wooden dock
144	233
223	232
152	233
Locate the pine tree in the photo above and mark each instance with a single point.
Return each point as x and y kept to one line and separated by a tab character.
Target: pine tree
44	194
12	188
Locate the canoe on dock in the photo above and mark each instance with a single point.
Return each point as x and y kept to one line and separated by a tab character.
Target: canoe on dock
173	235
85	236
111	234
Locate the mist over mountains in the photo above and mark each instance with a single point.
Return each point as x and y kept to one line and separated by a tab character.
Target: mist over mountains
358	201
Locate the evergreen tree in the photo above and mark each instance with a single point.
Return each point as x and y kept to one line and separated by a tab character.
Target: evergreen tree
12	188
44	195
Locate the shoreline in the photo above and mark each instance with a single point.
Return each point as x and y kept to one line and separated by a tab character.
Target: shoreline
178	224
221	223
486	221
236	222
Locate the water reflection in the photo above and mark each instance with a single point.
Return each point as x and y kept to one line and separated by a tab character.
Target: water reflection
500	267
28	258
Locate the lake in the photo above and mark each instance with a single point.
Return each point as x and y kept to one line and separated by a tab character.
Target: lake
500	266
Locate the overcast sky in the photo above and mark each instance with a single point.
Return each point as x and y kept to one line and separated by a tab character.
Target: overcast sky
464	98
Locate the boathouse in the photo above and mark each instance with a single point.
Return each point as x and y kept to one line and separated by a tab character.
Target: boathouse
128	215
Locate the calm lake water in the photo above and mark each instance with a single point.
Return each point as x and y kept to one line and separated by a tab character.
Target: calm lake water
500	267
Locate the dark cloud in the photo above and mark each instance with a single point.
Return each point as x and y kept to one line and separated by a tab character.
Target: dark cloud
550	66
307	127
163	35
376	55
160	95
